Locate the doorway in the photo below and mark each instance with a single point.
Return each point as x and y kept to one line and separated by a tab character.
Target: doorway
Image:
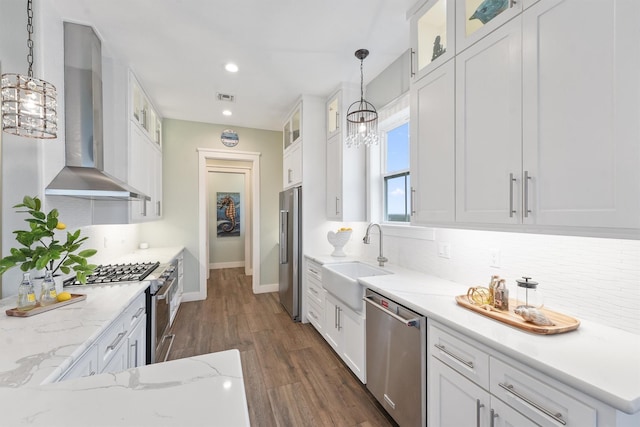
250	158
229	215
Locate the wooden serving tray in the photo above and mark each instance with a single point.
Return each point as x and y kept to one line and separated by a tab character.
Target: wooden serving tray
41	309
563	323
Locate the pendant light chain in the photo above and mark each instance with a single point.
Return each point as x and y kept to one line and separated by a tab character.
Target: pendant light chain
29	40
361	80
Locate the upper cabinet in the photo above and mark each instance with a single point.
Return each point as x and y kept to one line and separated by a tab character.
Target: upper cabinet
545	126
291	129
477	18
145	154
432	36
346	187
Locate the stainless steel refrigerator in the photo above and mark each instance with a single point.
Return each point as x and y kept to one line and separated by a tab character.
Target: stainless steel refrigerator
291	251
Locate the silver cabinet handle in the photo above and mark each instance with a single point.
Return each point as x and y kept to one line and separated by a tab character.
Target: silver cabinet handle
289	179
413	53
339	323
335	317
115	342
337	120
171	337
555	416
478	407
138	313
158	208
413	201
512	180
284	226
455	356
313	290
312	314
144	208
493	418
134	346
389	401
313	271
337	205
525	182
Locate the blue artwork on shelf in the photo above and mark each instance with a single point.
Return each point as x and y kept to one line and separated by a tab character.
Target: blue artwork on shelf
489	9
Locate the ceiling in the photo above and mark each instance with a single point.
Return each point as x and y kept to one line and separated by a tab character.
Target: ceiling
284	48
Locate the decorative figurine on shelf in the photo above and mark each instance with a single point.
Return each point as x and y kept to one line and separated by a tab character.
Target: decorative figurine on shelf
438	49
489	9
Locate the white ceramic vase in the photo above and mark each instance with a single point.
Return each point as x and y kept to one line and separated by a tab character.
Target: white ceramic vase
338	240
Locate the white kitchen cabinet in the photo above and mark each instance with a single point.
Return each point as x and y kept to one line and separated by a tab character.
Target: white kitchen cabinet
136	342
476	19
292	167
537	143
580	113
85	366
488	128
145	174
344	331
432	36
433	147
345	168
315	295
143	113
292	128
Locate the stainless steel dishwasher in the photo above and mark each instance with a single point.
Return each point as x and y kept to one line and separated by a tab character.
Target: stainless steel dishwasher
396	359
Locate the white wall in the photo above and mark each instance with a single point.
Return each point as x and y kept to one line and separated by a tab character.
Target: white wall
588	278
226	251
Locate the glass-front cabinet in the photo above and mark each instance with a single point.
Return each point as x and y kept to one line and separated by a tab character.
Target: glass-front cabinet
291	128
333	115
432	35
477	18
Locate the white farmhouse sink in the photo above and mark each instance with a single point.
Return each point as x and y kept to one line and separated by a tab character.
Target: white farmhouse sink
341	280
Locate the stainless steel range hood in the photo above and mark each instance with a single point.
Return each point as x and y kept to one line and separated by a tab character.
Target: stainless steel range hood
83	174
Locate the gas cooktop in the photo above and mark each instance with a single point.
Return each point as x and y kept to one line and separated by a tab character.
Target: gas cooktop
114	273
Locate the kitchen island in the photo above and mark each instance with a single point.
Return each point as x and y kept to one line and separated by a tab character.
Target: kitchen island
36	351
599	361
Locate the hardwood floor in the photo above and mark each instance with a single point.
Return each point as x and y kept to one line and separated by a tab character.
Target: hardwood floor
292	377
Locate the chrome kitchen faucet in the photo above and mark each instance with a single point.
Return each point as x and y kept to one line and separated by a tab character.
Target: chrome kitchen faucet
366	239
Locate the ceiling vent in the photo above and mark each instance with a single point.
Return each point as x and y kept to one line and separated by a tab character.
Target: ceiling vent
225	97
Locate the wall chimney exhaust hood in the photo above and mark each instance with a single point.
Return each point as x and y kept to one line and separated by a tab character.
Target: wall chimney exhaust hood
83	174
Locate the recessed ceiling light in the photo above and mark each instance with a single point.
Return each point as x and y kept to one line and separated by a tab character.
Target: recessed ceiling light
227	112
231	67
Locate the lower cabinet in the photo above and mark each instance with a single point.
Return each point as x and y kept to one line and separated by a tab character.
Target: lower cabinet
344	330
121	346
470	385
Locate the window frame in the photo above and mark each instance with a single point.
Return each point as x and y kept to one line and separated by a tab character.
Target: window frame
392	122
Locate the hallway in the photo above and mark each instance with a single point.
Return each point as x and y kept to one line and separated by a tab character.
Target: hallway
292	377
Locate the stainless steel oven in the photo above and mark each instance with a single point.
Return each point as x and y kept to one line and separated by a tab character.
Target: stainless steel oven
161	298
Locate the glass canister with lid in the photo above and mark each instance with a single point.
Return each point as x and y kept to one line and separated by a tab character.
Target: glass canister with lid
528	294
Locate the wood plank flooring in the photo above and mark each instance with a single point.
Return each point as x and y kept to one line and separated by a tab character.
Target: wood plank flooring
292	377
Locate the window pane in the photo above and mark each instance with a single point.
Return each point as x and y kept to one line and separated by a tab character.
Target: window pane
397	198
398	148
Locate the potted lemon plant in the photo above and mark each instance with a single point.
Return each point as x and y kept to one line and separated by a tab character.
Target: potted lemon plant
40	248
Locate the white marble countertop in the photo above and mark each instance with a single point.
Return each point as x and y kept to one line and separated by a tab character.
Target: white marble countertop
600	361
205	390
36	350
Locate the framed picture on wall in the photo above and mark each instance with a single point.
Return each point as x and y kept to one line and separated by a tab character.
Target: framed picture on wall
228	214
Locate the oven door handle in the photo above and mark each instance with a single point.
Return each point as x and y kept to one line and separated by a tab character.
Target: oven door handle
164	291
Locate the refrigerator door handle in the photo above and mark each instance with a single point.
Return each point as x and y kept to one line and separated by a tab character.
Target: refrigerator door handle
284	222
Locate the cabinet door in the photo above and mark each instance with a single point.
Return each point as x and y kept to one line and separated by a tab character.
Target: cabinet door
292	166
432	36
334	178
455	401
352	327
85	366
476	19
140	172
157	186
580	113
433	147
136	344
488	128
333	114
505	416
119	361
331	331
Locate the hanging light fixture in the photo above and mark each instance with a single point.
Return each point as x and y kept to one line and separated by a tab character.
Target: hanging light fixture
362	117
28	104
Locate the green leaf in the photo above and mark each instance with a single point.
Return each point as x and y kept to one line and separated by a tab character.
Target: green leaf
38	215
82	278
65	270
87	253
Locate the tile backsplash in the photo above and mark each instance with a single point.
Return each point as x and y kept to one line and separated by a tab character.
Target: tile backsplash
588	278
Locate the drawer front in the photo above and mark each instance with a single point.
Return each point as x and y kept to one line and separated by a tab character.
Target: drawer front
85	366
135	312
110	341
464	358
537	399
315	314
314	270
315	292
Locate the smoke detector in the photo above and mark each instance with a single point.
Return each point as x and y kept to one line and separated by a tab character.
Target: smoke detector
225	97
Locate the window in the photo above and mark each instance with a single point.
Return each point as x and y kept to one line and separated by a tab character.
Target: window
395	173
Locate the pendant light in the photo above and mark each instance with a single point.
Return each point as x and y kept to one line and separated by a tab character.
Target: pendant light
362	117
28	104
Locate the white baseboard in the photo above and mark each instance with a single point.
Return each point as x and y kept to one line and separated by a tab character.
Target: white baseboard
192	296
263	289
219	265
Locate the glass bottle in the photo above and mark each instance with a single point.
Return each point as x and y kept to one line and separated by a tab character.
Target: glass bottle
48	294
528	293
26	294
